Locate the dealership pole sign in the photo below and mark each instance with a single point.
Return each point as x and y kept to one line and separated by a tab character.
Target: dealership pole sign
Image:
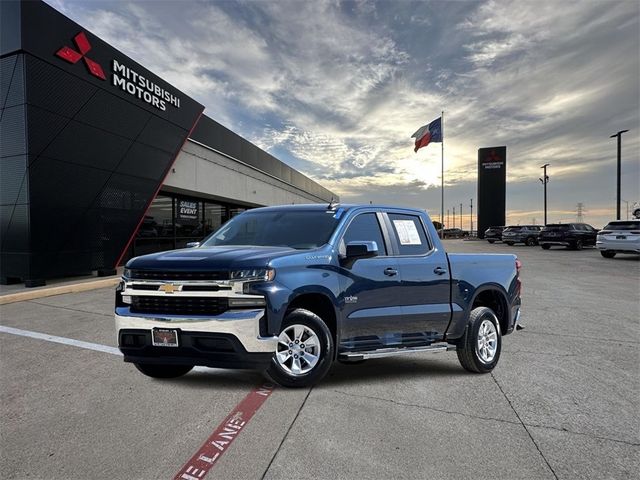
492	180
122	76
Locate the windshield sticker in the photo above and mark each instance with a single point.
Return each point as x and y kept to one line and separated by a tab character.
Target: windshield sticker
407	232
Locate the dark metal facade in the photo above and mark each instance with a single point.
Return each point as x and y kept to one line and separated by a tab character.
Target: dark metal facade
81	159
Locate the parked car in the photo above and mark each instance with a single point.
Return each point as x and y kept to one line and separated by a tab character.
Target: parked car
527	234
493	234
570	235
619	236
454	233
290	289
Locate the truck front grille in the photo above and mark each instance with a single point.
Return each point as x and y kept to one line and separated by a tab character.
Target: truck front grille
169	305
160	275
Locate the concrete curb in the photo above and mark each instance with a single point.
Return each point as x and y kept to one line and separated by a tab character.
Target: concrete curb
62	289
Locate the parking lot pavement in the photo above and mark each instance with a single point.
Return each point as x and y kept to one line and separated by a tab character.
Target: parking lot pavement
563	403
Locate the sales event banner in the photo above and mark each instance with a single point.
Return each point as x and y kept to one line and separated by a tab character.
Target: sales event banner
492	184
188	210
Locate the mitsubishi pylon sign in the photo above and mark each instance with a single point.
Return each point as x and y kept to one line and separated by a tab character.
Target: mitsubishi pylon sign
492	180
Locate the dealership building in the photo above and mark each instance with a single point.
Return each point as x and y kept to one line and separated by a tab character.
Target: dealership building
102	160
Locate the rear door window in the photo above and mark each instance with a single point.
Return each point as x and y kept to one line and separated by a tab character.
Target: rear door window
410	234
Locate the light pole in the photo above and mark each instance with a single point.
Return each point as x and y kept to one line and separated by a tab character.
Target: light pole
454	217
471	215
447	218
461	226
619	135
545	180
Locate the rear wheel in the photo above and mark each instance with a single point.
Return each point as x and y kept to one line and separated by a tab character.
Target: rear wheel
479	349
491	241
530	242
509	243
163	371
545	246
305	350
607	253
577	245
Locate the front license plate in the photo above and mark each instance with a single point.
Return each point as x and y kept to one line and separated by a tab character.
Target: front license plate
164	337
621	237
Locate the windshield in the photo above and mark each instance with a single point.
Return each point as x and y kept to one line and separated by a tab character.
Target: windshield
294	228
630	225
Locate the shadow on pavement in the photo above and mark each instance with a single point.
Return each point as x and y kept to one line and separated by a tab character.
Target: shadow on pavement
390	368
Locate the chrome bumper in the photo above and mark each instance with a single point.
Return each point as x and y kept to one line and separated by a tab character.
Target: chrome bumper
243	324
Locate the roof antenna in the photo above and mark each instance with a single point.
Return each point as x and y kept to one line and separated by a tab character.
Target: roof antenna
333	204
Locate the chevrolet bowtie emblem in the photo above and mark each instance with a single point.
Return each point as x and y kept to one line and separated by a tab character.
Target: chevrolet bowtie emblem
169	288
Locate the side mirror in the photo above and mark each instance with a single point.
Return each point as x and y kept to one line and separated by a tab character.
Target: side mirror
357	250
193	244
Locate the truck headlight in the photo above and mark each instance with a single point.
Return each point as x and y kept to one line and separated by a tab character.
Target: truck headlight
126	273
253	275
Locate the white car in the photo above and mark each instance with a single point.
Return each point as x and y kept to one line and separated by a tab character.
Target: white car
619	236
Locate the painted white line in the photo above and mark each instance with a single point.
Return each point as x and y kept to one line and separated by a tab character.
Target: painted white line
75	343
64	341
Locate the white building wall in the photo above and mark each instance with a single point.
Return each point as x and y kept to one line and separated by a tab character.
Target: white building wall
203	172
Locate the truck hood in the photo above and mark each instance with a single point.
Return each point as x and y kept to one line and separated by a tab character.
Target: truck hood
210	258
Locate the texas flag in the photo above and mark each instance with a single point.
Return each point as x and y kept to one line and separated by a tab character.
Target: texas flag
428	133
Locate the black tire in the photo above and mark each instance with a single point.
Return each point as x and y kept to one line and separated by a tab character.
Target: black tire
576	245
491	241
279	373
607	253
468	351
509	243
163	371
545	246
530	242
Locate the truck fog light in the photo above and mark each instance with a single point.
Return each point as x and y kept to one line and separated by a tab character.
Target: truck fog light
126	299
246	302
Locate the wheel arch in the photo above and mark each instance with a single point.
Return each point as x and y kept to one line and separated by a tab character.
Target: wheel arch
495	298
320	304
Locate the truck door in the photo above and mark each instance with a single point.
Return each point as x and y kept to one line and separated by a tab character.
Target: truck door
370	287
424	275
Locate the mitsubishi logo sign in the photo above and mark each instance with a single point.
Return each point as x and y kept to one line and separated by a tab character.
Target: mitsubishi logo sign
123	77
72	56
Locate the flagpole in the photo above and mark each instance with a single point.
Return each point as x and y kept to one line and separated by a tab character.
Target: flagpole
442	178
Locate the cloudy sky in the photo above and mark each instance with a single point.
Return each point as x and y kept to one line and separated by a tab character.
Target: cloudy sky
335	89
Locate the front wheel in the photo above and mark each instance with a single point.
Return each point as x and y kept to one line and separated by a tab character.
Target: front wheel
163	371
479	349
607	253
577	245
491	241
305	350
530	242
545	246
509	243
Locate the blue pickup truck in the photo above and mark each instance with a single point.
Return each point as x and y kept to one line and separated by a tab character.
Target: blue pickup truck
290	289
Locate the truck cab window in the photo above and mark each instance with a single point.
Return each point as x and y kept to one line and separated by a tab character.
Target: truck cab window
364	228
410	234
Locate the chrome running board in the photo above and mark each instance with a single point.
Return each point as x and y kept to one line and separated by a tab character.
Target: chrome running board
389	352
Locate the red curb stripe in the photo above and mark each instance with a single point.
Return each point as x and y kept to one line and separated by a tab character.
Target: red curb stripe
224	435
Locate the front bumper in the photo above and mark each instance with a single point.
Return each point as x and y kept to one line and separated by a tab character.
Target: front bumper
231	339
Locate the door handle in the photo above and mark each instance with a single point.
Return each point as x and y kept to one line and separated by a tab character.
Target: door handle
390	271
439	271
